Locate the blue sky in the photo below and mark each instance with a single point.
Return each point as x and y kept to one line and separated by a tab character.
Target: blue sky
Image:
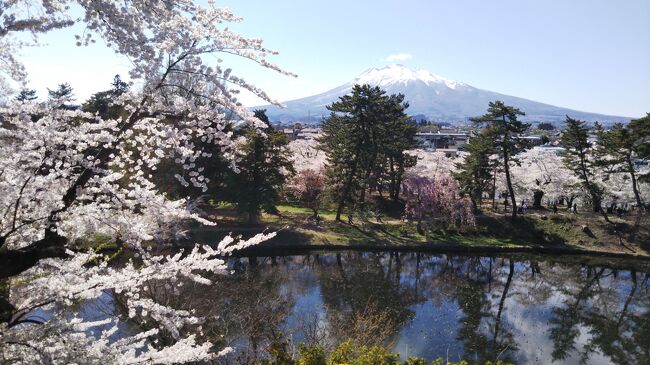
587	55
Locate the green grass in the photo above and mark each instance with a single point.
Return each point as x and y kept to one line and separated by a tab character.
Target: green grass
97	241
538	228
326	214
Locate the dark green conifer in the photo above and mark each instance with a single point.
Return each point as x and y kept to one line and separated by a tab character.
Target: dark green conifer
503	127
365	139
264	166
476	172
580	160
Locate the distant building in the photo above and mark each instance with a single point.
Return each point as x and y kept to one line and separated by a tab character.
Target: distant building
445	139
551	148
533	140
301	133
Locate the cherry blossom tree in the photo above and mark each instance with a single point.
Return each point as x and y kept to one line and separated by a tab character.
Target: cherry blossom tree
433	163
307	187
619	188
66	174
306	155
437	203
542	170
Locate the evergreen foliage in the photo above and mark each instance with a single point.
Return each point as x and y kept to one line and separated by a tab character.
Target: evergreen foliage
264	166
26	95
580	160
101	103
503	127
618	150
62	97
641	127
475	173
365	139
350	353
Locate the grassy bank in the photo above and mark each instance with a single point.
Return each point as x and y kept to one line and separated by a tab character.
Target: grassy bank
536	231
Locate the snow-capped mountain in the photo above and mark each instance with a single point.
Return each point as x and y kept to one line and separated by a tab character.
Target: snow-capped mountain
428	95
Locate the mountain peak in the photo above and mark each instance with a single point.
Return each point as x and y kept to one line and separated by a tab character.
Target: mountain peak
430	95
399	74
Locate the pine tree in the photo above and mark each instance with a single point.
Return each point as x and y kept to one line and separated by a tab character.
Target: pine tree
119	87
398	135
26	95
62	91
101	102
63	95
501	126
580	160
365	138
264	167
476	171
617	151
641	129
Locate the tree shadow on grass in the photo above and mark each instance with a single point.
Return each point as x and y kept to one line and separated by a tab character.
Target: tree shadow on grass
524	230
625	231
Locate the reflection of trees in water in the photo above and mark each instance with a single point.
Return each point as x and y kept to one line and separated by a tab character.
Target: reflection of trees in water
481	329
368	297
613	308
365	298
245	310
617	321
622	335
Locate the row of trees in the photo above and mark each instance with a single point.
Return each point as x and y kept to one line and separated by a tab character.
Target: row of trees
497	147
366	150
365	141
616	152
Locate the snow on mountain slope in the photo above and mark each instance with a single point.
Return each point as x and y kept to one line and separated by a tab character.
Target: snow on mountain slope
428	94
398	74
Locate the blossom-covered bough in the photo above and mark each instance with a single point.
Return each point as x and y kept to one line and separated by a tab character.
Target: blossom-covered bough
437	203
66	174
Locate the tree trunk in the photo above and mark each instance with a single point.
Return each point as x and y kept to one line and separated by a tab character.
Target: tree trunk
474	204
7	309
253	217
339	210
344	197
537	198
14	262
497	324
635	187
511	191
628	300
596	203
570	202
494	188
346	189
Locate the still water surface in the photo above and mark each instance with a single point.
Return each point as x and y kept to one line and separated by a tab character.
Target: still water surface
528	310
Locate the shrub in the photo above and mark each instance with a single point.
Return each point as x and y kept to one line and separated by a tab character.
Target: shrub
349	353
311	355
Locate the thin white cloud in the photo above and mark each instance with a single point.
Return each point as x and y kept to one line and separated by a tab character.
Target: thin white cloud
398	57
